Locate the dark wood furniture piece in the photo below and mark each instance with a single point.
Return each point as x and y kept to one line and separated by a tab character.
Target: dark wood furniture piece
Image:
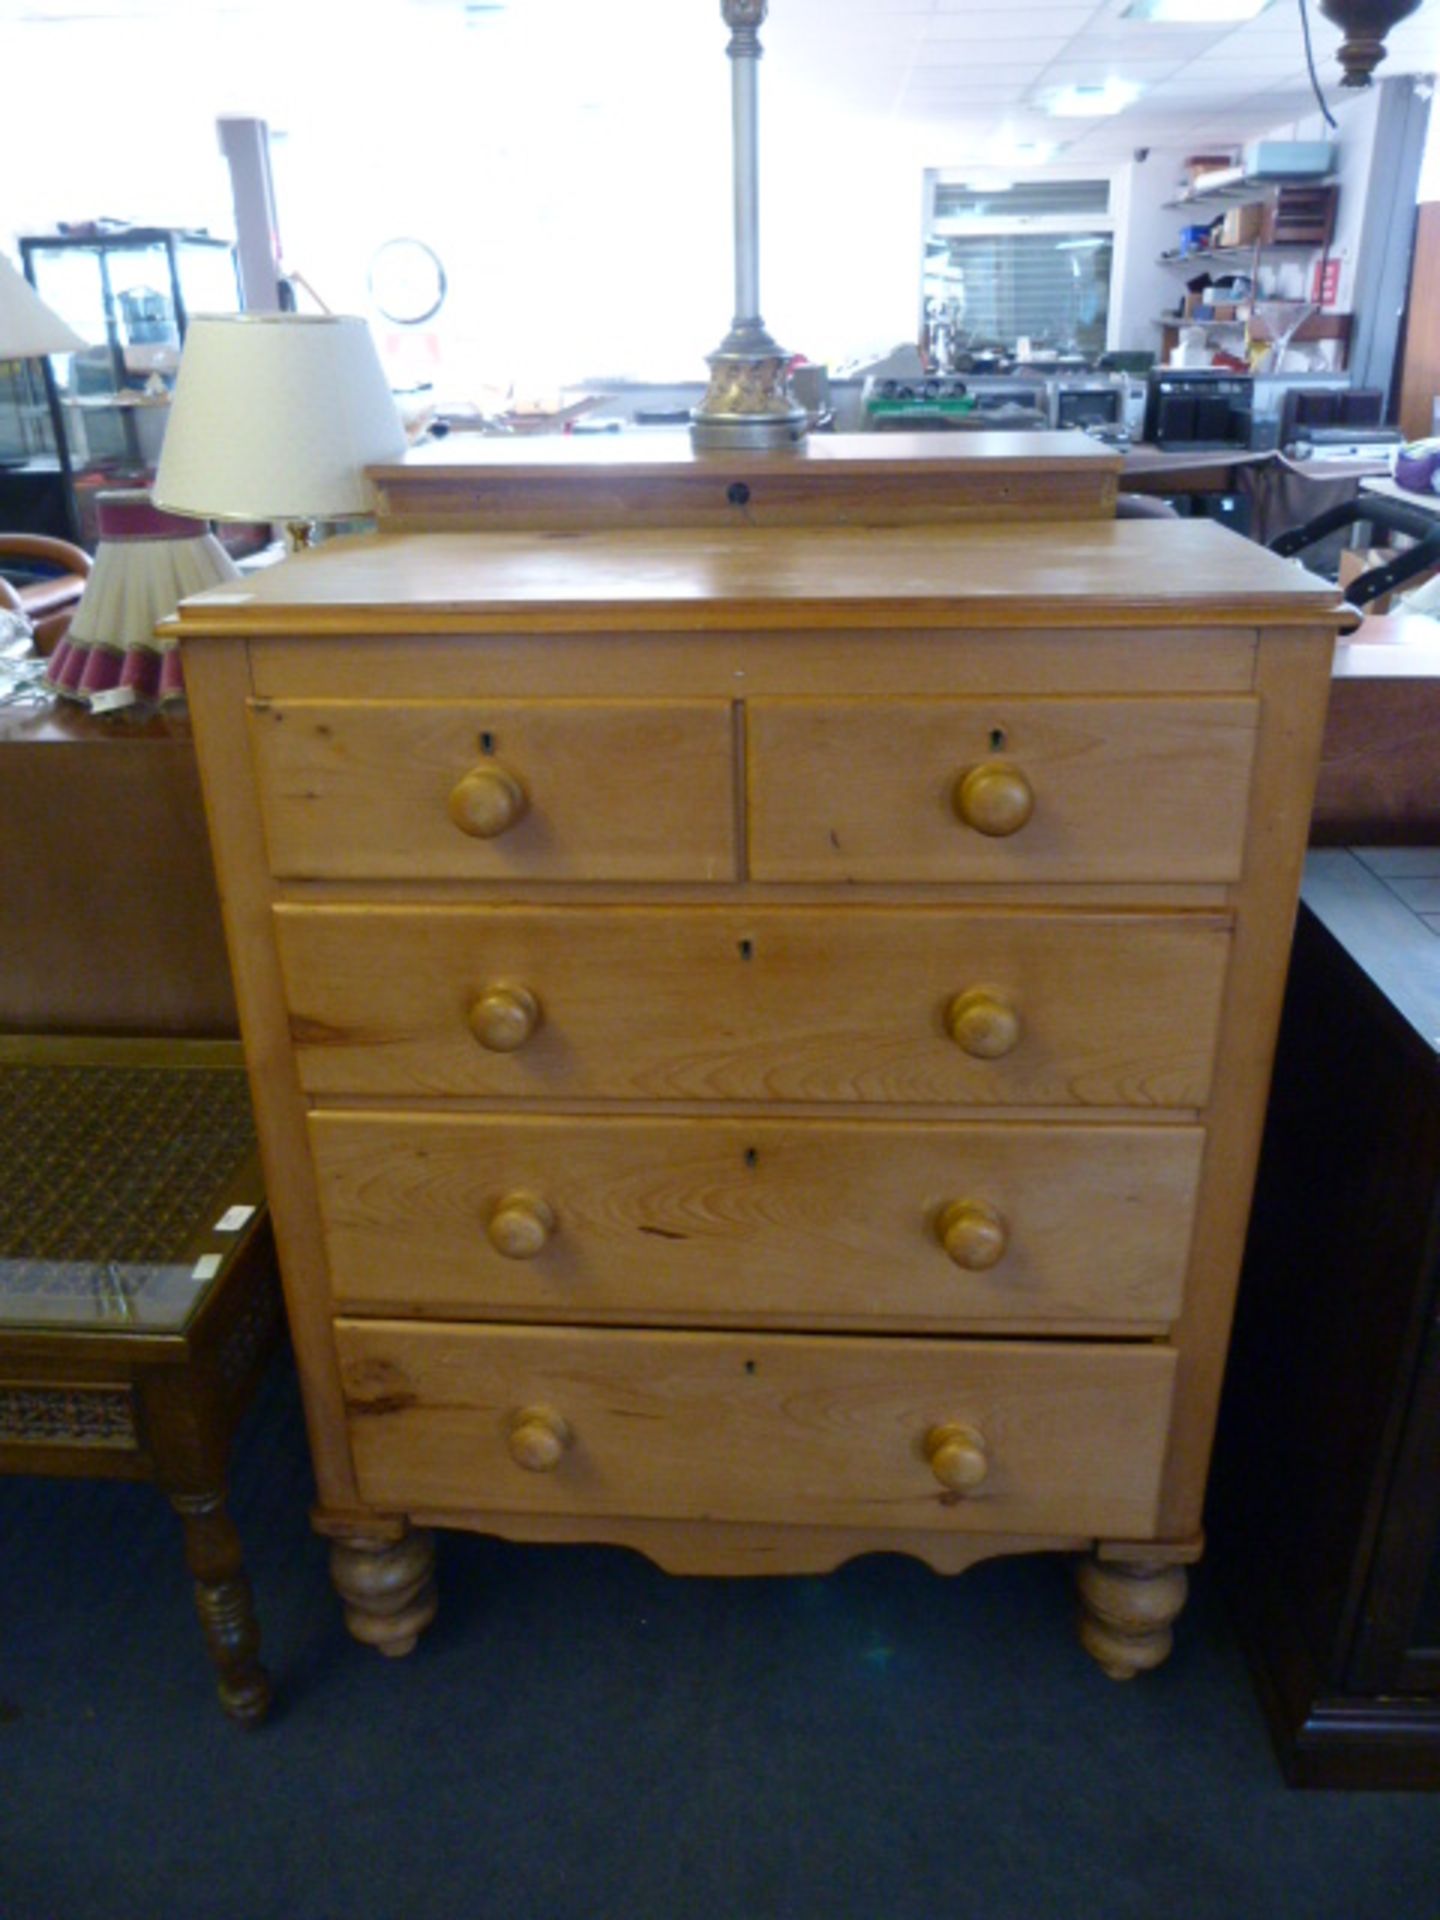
104	828
1379	772
1325	1511
139	1299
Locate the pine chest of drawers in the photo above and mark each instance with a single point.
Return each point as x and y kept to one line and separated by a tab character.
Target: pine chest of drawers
760	1036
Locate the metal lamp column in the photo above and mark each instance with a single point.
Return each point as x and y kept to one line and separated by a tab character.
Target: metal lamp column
748	402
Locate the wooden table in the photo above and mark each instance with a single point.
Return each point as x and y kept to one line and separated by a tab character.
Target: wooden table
1169	470
138	1292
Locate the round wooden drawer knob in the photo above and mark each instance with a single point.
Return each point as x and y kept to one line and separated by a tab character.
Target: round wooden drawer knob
983	1023
503	1018
958	1456
994	799
520	1226
538	1439
973	1234
487	802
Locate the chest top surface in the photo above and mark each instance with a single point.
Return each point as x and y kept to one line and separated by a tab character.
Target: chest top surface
672	454
1140	573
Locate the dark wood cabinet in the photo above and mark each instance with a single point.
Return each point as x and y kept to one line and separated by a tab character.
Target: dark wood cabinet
1325	1502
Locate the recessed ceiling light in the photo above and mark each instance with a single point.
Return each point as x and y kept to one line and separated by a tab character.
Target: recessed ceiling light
1086	102
1194	13
1008	149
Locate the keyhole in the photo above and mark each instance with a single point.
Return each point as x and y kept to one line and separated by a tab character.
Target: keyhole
749	1366
747	950
738	494
997	739
752	1158
487	743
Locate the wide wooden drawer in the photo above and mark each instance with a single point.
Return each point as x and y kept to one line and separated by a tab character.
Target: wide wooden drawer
722	1220
536	789
759	1004
1044	790
1064	1438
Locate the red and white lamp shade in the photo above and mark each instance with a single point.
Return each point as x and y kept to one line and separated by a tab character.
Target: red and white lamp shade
146	562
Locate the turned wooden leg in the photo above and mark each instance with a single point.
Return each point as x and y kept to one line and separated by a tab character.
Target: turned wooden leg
222	1598
1126	1610
387	1586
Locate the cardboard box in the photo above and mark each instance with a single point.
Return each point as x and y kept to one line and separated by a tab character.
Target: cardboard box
1242	226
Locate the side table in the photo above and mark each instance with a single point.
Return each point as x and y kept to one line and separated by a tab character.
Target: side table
1325	1501
139	1298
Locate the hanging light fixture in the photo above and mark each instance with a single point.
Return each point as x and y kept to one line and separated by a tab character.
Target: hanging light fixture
1365	24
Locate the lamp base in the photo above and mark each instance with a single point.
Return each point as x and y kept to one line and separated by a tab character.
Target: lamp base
748	403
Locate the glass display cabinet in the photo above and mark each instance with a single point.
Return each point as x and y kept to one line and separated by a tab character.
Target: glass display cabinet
128	292
25	425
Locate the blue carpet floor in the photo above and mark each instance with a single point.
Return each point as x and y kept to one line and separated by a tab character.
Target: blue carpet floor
580	1737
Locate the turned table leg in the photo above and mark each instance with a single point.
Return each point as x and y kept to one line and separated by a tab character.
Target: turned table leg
222	1598
1127	1607
388	1587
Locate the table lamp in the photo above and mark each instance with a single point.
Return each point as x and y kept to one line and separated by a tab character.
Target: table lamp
28	328
145	565
275	417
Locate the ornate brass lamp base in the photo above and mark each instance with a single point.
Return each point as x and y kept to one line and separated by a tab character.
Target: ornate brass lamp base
748	402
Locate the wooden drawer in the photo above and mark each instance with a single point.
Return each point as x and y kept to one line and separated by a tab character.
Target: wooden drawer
760	1004
1117	790
794	1428
724	1220
606	790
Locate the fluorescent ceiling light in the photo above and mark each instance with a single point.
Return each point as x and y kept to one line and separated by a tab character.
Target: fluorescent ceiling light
1093	101
1194	13
1012	151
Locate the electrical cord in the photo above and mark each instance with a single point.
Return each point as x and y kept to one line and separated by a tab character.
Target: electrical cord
1330	119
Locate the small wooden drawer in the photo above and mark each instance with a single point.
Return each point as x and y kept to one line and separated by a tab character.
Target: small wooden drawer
1128	790
718	1221
990	1436
458	790
756	1004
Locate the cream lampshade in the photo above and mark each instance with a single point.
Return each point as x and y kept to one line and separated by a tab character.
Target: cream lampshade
28	328
275	417
145	565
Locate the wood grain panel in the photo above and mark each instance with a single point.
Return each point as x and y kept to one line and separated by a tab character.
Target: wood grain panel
217	686
1080	573
809	1430
1420	367
1043	659
1294	683
686	1220
615	790
1123	789
756	1004
661	479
